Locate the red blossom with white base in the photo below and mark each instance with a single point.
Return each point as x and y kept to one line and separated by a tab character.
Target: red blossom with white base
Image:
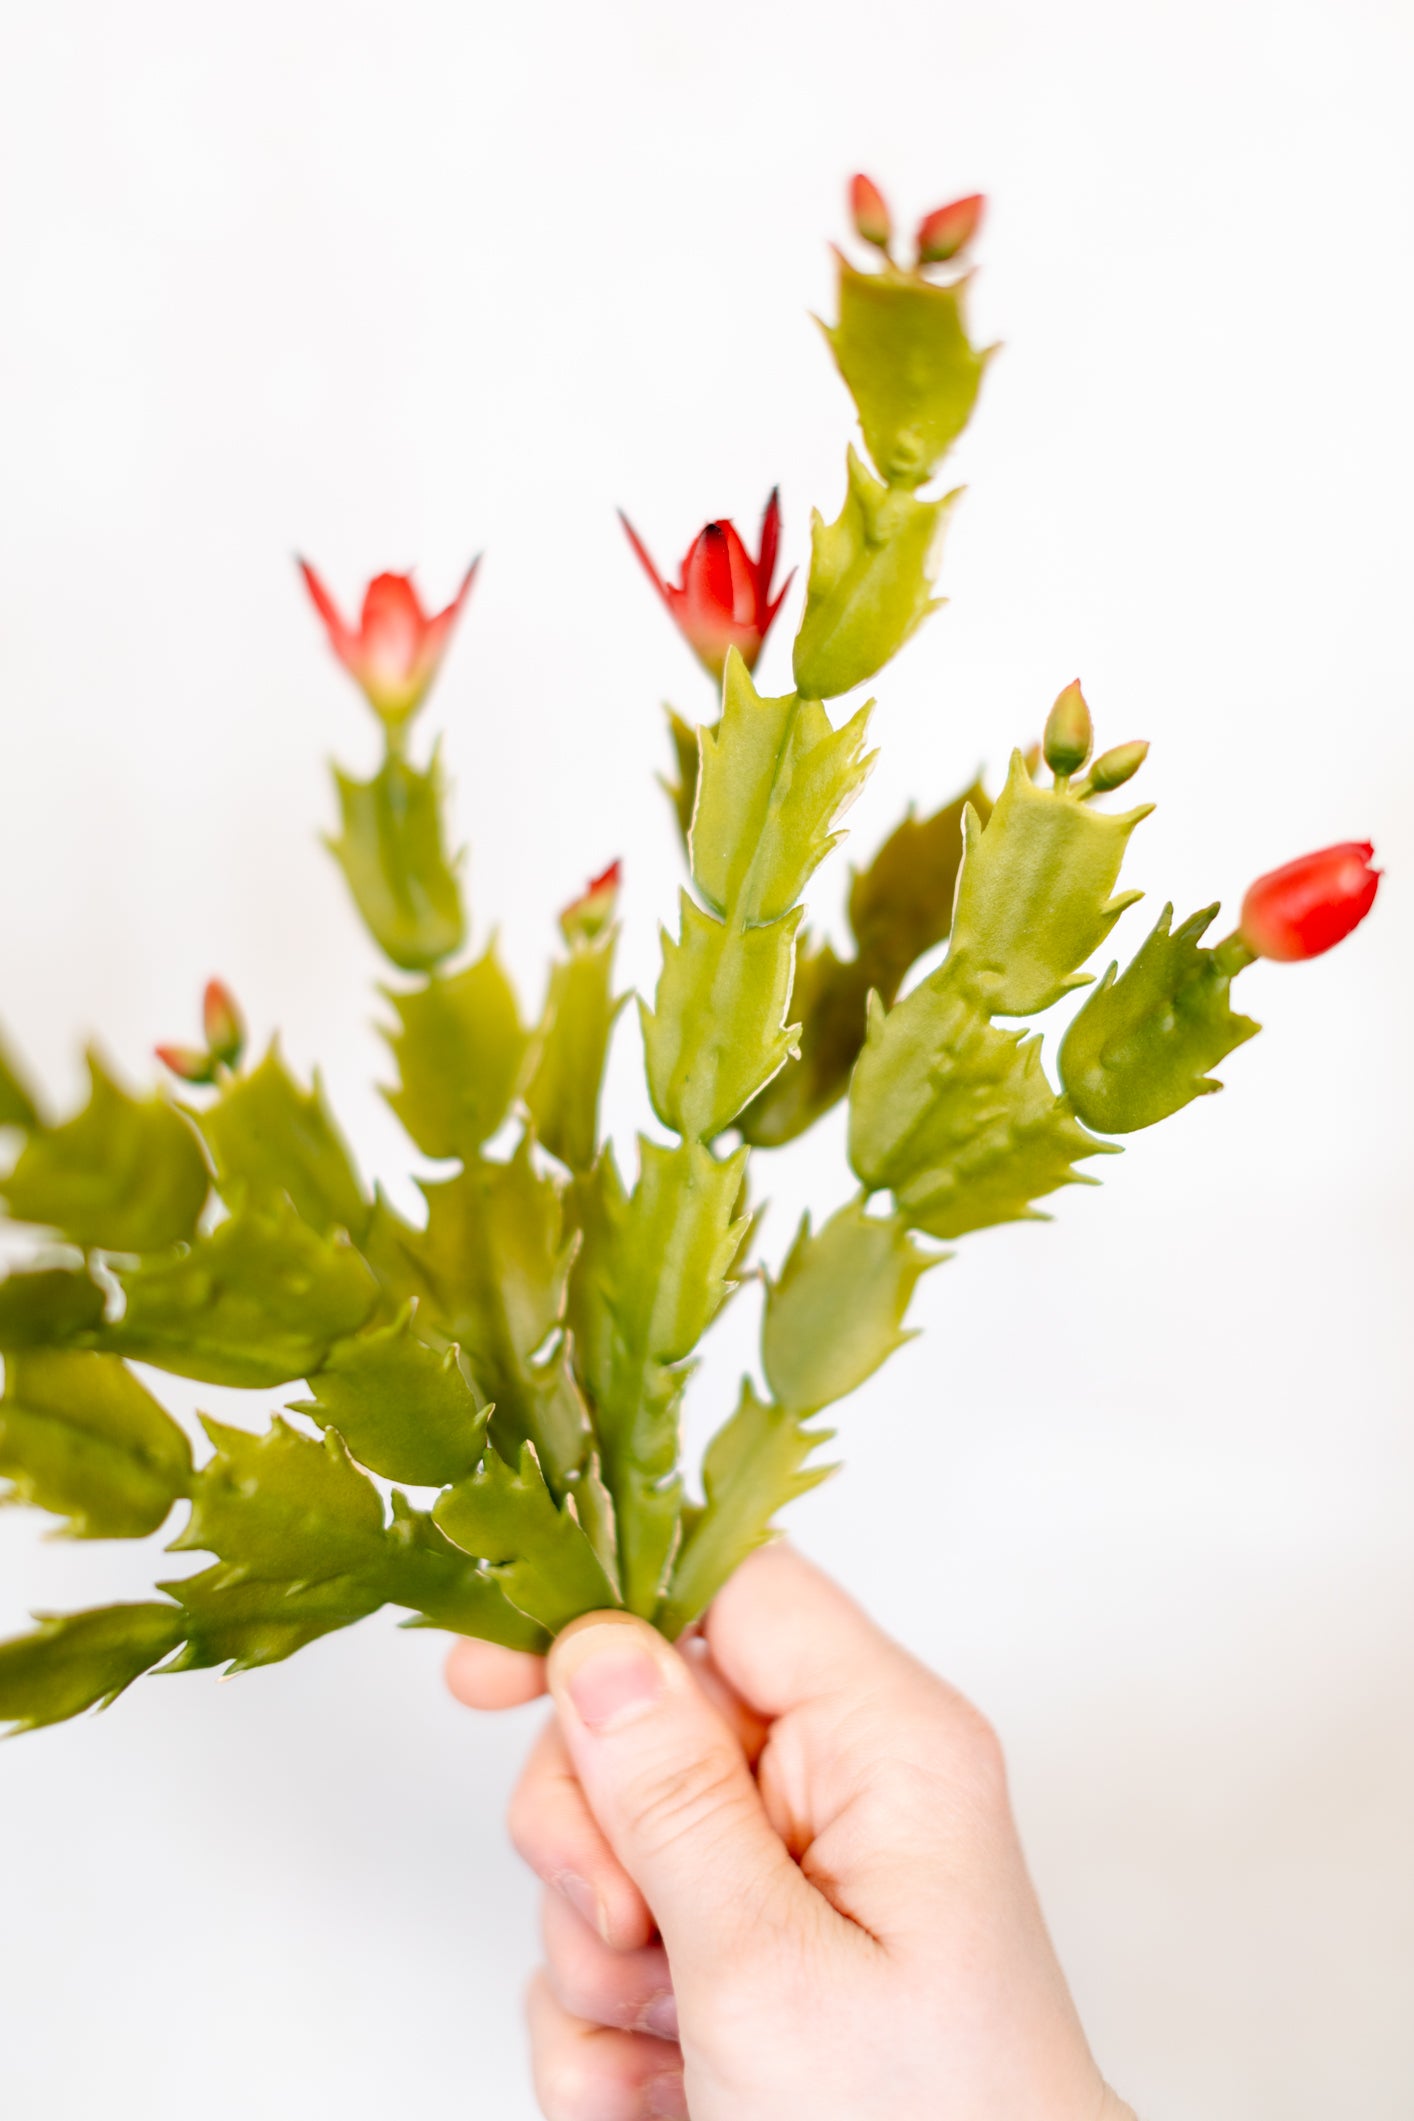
723	599
396	649
1311	904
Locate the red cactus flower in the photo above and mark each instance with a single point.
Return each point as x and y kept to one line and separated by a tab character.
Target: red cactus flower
223	1023
590	914
724	598
396	649
1310	905
869	212
949	229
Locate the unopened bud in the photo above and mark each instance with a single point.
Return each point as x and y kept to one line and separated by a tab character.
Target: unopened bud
870	212
1069	732
590	914
1113	768
949	229
223	1023
189	1062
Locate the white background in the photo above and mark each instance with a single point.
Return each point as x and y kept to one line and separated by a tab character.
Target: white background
391	284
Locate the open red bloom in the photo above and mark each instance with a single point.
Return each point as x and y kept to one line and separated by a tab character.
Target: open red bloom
1312	904
396	649
949	229
724	597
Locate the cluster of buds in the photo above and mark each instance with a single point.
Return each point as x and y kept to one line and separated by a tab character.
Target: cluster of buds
223	1028
941	235
396	650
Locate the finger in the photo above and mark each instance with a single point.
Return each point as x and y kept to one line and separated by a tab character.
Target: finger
670	1786
783	1635
630	1990
749	1728
484	1676
585	2073
555	1832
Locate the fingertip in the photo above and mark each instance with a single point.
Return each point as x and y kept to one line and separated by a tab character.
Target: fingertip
483	1675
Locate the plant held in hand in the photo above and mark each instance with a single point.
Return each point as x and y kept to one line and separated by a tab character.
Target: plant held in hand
522	1350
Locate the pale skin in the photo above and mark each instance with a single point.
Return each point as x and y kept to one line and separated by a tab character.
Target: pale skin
781	1876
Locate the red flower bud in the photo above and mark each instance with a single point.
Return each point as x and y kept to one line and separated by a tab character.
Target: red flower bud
949	229
189	1062
223	1023
869	211
1310	905
724	597
590	914
396	649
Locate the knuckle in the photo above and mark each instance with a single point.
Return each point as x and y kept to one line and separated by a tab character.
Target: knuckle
685	1801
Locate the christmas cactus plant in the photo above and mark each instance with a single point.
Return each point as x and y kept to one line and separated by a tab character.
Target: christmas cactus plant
519	1355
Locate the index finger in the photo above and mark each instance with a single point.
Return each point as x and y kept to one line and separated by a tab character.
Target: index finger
482	1675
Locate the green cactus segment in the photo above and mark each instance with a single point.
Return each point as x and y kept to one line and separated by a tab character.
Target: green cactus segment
285	1510
775	776
682	793
572	1049
718	1031
871	582
836	1313
284	1507
899	907
445	1589
77	1661
405	1410
495	1258
126	1173
652	1275
47	1307
245	1623
1036	894
81	1438
533	1548
461	1052
393	858
18	1105
259	1302
902	348
1143	1044
754	1466
267	1136
955	1117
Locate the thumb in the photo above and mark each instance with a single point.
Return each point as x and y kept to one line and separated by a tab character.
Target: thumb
667	1781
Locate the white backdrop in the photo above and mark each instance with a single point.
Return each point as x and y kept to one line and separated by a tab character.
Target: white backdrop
388	284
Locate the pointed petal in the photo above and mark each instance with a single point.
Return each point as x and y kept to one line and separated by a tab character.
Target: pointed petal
341	639
770	545
437	632
648	568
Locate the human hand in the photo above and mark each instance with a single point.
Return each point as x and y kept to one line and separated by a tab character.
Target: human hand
782	1876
